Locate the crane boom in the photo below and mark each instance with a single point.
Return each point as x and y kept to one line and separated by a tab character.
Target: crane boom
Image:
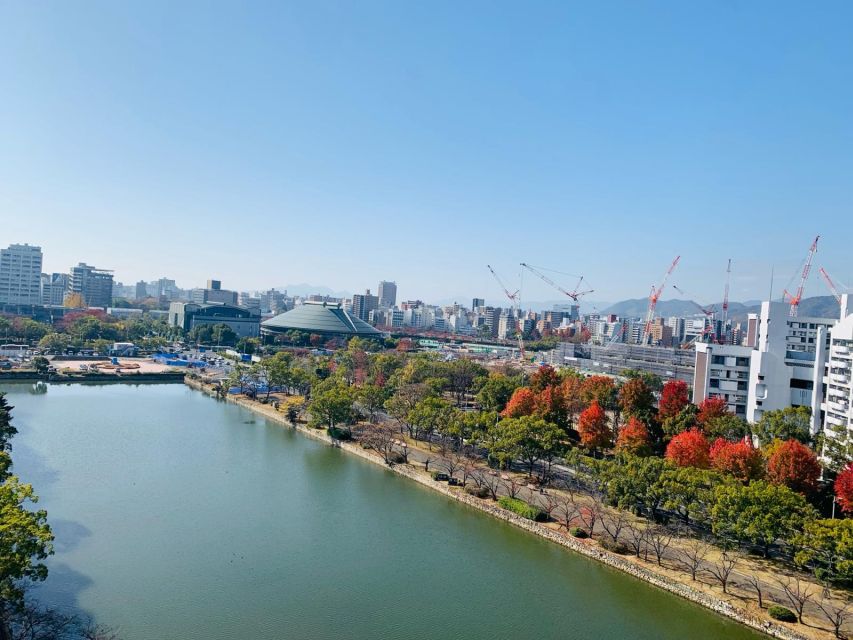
574	295
513	297
654	296
797	297
831	285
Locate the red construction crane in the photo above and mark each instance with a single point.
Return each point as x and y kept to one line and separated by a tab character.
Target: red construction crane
514	299
708	312
726	294
831	285
574	295
654	296
797	297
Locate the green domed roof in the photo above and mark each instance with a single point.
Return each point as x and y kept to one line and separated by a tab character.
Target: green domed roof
319	317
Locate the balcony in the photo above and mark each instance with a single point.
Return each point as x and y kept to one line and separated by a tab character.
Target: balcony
840	378
841	350
839	407
838	422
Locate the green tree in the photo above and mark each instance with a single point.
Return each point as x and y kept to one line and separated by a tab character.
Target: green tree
221	333
826	546
372	398
496	391
689	492
726	426
634	483
430	415
7	429
54	342
784	424
531	439
683	421
248	345
331	406
760	513
41	364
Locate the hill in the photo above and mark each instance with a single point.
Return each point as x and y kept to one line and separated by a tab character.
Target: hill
818	306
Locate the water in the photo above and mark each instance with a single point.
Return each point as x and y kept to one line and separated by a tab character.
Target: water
178	516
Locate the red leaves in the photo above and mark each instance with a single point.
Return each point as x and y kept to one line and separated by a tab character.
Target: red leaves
794	465
634	438
522	403
673	399
689	449
844	488
739	459
711	408
593	428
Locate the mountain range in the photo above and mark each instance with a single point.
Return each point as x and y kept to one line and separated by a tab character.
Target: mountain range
818	306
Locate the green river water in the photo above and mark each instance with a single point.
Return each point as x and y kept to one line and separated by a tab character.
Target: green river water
178	516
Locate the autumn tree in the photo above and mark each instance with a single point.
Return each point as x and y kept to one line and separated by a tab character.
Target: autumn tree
636	399
593	428
689	449
598	389
570	391
673	398
682	421
739	459
634	438
521	403
844	488
544	377
794	465
550	405
709	409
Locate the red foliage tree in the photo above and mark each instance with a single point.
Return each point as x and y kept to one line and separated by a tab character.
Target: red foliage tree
598	389
739	459
673	398
689	449
794	465
711	408
593	428
844	488
570	390
545	376
634	438
636	398
550	406
522	403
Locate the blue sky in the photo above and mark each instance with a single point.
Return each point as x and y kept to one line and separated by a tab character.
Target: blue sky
344	143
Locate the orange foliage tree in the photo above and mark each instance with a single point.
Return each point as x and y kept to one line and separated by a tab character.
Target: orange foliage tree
689	449
711	408
593	428
739	459
673	398
634	438
794	465
844	488
521	403
598	389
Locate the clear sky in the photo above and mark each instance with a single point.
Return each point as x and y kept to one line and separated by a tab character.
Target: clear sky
344	143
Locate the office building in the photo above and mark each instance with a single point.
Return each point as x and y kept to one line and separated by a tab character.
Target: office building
387	294
476	303
53	288
188	315
20	274
94	285
213	293
363	304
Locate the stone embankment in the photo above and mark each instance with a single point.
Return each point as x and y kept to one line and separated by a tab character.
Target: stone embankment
585	547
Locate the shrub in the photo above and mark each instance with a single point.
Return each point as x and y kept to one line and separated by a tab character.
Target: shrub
339	434
479	492
520	507
614	547
782	613
577	532
396	457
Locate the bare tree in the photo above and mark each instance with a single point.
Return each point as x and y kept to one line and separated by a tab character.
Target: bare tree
614	522
469	468
722	569
549	504
512	485
590	514
835	613
798	594
693	555
659	538
486	479
382	439
636	536
567	510
755	583
452	463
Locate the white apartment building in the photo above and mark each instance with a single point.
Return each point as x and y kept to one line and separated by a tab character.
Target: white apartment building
785	368
838	397
20	274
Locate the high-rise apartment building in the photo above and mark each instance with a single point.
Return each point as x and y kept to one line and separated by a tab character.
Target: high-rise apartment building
53	288
838	399
94	285
20	274
363	304
387	294
476	303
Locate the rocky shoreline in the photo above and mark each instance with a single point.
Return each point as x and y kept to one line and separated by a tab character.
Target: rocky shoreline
585	547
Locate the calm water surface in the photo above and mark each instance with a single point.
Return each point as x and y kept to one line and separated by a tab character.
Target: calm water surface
178	516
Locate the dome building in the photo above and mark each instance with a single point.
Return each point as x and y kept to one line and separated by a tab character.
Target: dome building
322	318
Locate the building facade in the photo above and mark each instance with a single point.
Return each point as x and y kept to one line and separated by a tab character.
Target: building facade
387	294
363	304
188	315
94	285
20	274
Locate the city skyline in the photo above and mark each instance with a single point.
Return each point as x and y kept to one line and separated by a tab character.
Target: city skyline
274	146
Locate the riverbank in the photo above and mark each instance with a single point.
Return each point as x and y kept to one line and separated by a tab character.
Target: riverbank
129	377
588	548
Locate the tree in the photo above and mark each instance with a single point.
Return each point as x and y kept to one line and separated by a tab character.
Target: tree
844	488
826	546
598	389
682	421
7	429
709	409
689	449
636	399
674	398
798	594
431	415
544	377
722	569
759	513
521	403
331	406
796	466
688	492
372	398
784	424
633	483
727	426
54	342
693	554
402	403
496	391
550	405
835	613
247	345
530	439
223	334
739	459
634	438
41	364
74	301
593	428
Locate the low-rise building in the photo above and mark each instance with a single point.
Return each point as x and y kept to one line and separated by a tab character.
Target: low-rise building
188	315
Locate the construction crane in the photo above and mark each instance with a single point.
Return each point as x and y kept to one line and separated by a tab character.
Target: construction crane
724	337
654	296
574	295
831	285
797	297
514	299
709	313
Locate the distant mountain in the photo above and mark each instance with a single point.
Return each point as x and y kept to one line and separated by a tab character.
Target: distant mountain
818	306
308	289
